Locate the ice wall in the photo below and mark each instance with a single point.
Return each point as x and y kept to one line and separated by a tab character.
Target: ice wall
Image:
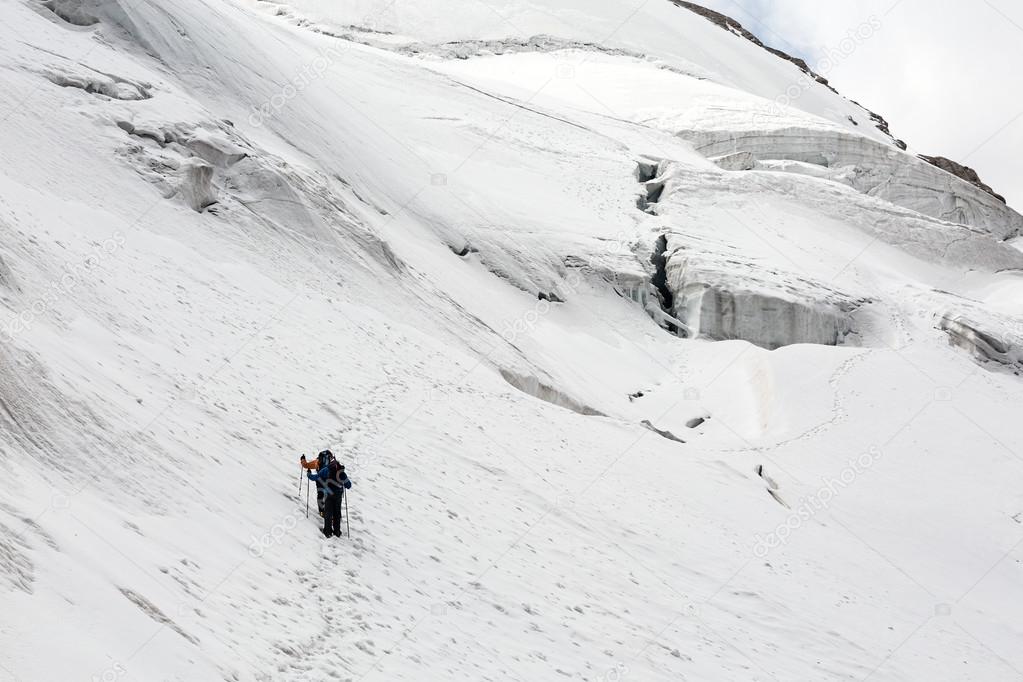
717	300
869	166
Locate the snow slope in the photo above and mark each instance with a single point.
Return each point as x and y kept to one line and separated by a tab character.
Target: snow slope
639	374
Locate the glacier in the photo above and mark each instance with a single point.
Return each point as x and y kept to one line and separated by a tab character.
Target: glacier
639	373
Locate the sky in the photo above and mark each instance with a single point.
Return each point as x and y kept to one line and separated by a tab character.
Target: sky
944	73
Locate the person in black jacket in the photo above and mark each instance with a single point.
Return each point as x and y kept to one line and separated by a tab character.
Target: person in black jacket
333	481
322	460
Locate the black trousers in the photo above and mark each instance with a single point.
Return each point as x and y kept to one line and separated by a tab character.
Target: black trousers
332	514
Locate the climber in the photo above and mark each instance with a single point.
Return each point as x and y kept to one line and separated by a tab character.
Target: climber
333	481
322	460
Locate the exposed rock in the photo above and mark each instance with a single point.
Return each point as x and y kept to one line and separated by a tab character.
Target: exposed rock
882	125
729	24
960	171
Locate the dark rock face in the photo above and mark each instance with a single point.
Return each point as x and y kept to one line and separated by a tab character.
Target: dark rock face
729	24
960	171
733	26
882	125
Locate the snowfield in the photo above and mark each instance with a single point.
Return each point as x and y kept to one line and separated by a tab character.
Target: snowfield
639	373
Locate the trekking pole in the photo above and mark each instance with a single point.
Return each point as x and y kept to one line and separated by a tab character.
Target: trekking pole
348	520
300	471
307	498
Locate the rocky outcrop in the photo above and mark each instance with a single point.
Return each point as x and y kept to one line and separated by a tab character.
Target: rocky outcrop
963	172
732	26
881	124
729	24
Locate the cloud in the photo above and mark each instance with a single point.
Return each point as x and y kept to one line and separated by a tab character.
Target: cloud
944	73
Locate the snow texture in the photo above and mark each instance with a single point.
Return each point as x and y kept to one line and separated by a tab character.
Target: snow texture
639	374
